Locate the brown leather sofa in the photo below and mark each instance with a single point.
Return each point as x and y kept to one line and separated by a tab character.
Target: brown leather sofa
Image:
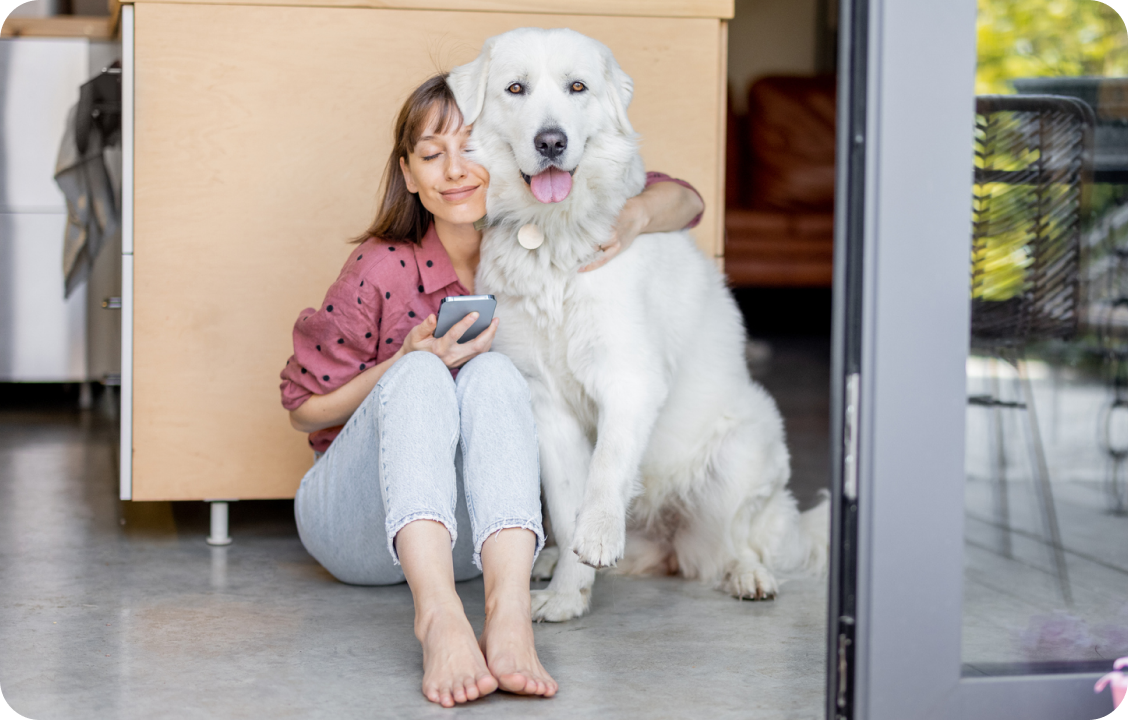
779	216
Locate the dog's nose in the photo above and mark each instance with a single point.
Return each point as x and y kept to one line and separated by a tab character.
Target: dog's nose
551	143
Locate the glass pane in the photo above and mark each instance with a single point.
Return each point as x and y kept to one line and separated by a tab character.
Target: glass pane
1046	534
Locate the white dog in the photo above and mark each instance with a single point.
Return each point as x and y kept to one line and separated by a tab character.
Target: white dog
657	450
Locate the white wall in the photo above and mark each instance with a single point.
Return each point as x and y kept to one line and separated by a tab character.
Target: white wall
769	37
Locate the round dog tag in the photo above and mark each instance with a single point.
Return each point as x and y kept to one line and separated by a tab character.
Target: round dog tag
530	237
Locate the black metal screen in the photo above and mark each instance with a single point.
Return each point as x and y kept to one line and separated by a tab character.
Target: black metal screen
1033	164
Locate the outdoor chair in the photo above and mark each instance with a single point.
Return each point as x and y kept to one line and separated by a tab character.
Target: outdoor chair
1033	169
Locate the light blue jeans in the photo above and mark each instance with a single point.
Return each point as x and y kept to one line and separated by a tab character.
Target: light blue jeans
424	446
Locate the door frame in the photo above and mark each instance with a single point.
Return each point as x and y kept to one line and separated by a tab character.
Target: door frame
902	323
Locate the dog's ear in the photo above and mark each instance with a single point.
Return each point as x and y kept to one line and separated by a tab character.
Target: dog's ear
620	90
468	83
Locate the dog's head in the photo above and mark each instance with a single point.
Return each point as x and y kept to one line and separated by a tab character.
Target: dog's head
549	97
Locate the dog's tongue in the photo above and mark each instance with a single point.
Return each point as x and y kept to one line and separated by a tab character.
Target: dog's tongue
551	186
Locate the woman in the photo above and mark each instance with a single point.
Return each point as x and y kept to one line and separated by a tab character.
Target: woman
420	475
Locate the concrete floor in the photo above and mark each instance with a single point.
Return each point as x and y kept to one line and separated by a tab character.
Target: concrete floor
120	610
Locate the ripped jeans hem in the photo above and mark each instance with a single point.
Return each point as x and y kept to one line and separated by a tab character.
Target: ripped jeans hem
497	526
394	528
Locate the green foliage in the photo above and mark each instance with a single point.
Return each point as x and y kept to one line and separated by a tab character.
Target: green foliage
998	259
1047	38
1026	39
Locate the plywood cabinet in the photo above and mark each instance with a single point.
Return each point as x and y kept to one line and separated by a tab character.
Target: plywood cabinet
259	134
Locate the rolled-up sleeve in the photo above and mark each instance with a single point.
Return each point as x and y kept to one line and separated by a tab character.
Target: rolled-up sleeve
332	345
657	177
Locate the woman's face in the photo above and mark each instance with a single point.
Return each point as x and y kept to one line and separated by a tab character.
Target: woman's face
449	185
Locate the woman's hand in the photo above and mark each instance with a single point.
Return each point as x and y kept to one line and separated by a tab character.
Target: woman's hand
336	407
660	207
453	355
632	221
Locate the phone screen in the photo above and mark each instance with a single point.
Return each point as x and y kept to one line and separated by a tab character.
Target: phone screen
456	307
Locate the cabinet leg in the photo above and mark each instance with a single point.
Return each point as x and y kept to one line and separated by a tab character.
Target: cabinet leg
85	396
218	534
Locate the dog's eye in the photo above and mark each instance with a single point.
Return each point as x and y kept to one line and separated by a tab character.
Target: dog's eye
516	88
578	87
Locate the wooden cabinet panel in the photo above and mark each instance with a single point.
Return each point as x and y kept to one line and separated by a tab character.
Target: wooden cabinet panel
261	134
646	8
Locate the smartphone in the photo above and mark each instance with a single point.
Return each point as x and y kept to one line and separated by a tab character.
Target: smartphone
454	308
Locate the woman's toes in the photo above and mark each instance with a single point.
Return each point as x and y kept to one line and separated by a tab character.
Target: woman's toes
470	691
486	684
438	695
459	694
518	683
510	682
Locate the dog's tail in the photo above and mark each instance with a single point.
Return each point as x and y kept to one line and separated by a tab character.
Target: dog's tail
792	543
814	529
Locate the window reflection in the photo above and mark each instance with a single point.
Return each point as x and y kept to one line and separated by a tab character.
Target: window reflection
1046	569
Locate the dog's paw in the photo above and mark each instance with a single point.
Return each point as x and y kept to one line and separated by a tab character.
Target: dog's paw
750	583
600	538
554	606
546	563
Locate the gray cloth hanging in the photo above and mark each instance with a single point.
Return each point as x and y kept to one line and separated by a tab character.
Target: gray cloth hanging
91	182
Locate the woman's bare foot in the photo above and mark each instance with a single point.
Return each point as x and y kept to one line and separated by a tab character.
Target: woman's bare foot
454	670
511	654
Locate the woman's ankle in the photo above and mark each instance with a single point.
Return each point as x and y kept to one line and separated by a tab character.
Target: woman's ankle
509	604
438	609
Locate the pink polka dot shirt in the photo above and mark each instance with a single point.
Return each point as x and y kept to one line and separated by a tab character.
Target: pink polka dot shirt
384	290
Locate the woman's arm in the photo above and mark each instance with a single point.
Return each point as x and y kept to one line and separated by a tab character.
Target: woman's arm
660	207
336	407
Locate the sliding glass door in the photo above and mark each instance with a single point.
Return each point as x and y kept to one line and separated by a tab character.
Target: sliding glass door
981	348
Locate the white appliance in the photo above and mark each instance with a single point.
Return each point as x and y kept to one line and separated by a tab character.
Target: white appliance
43	337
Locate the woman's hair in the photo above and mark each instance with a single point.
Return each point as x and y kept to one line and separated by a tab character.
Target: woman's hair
401	215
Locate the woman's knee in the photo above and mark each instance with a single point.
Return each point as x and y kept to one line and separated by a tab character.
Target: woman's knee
494	373
420	365
419	378
493	362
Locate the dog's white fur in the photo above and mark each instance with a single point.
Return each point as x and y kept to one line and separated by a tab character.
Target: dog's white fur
657	449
